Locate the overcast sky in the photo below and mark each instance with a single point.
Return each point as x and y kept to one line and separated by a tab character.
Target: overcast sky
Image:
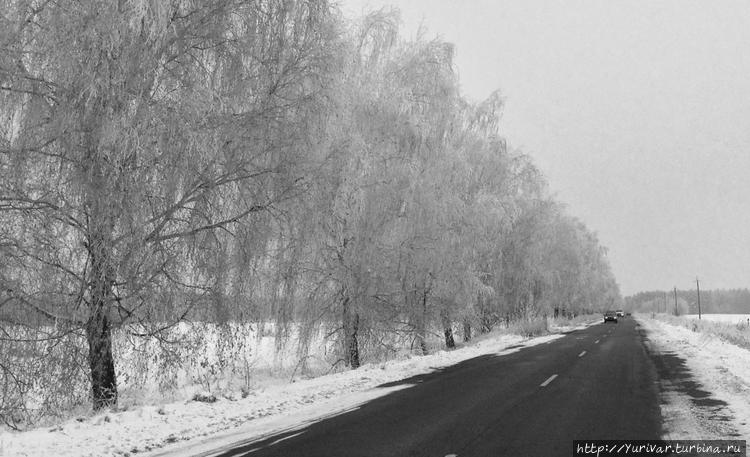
638	113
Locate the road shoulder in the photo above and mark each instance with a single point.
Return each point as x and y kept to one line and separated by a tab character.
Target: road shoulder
703	382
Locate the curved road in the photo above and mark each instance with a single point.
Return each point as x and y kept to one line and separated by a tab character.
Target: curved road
597	383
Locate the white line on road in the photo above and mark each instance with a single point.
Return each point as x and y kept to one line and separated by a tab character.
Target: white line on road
251	451
582	354
549	380
286	438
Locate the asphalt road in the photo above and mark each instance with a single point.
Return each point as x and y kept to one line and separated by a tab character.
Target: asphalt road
597	383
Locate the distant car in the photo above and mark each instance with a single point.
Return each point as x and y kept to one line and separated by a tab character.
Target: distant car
620	313
610	316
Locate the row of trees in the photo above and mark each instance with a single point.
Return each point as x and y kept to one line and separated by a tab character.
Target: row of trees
225	160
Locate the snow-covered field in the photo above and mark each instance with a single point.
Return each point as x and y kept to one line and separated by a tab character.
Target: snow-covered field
719	367
271	407
729	318
731	328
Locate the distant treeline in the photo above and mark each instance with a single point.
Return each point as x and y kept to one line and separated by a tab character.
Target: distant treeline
719	301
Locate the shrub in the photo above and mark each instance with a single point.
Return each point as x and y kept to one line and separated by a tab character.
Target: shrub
204	397
529	327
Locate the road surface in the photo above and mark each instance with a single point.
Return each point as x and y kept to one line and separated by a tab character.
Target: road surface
596	383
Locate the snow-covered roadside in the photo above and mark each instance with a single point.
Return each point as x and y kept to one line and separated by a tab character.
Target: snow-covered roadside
720	368
187	428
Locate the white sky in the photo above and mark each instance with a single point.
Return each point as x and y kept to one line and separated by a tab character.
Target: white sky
638	113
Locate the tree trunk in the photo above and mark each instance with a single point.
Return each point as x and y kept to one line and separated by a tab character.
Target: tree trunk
422	323
101	361
486	320
450	343
98	331
101	216
467	330
100	280
351	326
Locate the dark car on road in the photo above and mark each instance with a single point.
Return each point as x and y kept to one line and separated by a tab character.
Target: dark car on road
610	316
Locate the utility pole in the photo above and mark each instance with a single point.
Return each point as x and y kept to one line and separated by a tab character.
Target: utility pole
675	300
698	286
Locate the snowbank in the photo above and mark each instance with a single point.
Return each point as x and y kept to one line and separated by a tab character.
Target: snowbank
718	367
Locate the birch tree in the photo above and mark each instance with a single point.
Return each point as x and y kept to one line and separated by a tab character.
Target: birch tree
134	133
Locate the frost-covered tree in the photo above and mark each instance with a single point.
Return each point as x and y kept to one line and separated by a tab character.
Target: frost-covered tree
135	134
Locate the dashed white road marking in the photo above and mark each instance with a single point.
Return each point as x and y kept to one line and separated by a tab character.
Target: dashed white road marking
451	455
549	380
582	354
